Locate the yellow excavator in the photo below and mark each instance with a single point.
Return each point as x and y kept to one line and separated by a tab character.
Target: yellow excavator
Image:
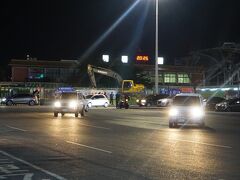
127	86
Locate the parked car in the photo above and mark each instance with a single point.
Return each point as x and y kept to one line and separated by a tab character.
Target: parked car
97	100
187	109
229	105
20	99
150	100
212	101
164	102
70	102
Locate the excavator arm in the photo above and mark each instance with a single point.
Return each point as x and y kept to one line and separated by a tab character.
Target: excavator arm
103	71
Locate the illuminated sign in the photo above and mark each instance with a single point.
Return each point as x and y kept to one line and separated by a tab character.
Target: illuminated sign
142	58
65	89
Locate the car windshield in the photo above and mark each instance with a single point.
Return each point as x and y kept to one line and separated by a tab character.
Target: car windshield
186	100
69	96
89	96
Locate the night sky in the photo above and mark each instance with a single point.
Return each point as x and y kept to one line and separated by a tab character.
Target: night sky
57	29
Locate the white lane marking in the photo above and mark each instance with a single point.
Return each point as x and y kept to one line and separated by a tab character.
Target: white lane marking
28	176
99	127
7	175
33	166
202	143
11	127
90	147
6	162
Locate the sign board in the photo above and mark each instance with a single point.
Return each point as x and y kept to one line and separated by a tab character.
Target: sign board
143	58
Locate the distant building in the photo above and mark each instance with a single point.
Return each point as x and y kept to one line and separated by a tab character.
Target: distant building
174	76
63	71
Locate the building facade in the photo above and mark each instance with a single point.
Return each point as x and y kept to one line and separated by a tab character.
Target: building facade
174	79
63	71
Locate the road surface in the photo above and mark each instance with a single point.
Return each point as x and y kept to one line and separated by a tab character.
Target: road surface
116	144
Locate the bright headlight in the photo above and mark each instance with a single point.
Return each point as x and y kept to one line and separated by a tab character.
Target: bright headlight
164	100
4	99
143	100
57	104
137	101
72	104
197	112
173	112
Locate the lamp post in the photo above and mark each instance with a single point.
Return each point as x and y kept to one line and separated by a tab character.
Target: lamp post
156	51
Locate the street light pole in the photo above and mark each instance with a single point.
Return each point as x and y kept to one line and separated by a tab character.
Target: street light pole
156	51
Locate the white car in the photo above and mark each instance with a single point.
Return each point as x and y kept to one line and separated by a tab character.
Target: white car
97	100
187	109
165	101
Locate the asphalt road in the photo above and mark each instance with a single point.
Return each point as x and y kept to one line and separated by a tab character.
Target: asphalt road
116	144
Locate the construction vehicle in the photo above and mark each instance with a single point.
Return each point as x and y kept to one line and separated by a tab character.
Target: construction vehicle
127	86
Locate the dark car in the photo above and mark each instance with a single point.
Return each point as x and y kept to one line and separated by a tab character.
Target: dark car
229	105
21	99
211	102
150	100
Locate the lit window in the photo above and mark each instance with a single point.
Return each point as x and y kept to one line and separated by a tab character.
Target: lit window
183	78
170	78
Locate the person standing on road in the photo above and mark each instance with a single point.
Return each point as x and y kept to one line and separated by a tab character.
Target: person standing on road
117	99
111	98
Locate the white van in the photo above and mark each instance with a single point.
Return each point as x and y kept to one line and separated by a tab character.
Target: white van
187	108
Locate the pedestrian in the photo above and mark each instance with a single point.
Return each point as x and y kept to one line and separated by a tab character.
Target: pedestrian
111	98
105	94
117	99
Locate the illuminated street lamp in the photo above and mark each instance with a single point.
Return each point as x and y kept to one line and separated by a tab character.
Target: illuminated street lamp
105	58
125	59
160	61
156	51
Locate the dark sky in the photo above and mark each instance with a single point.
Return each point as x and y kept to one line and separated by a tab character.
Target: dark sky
57	29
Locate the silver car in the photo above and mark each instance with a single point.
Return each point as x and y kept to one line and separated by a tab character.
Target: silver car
20	99
187	108
70	102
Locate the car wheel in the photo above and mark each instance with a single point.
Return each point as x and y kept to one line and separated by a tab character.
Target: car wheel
228	109
9	103
76	114
106	105
148	104
62	114
86	108
83	112
55	114
31	103
89	105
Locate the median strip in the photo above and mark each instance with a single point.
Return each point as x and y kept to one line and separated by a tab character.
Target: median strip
89	147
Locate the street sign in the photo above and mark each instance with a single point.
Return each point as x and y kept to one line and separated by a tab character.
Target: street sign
142	58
